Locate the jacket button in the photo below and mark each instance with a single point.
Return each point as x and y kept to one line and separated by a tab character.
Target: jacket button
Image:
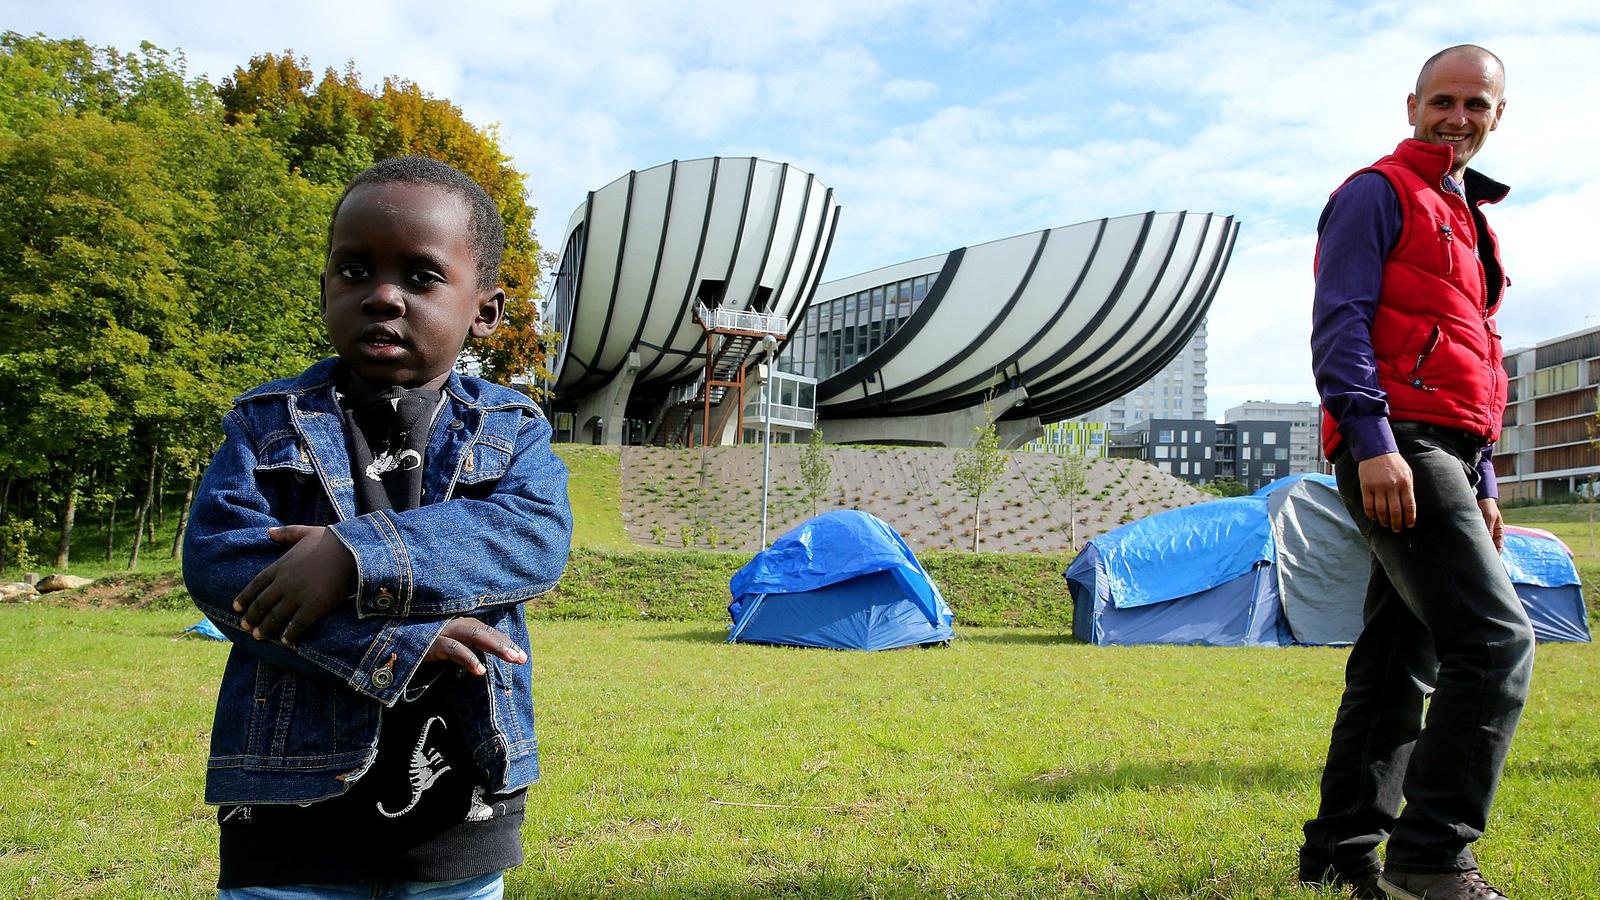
457	424
383	600
383	677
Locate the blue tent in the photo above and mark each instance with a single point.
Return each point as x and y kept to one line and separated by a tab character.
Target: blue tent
205	629
1283	566
1541	570
843	580
1196	575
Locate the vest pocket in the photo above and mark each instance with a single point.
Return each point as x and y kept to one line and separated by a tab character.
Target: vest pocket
1414	378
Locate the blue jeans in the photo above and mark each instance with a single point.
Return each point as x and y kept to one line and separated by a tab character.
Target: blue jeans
1440	616
479	887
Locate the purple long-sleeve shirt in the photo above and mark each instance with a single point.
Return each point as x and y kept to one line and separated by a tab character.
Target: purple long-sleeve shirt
1358	229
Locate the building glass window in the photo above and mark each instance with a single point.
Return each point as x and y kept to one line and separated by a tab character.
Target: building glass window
1162	451
1164	436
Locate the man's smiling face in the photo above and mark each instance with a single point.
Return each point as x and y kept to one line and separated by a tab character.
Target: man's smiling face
1458	101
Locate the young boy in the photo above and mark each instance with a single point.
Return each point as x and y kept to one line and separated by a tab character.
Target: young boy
366	530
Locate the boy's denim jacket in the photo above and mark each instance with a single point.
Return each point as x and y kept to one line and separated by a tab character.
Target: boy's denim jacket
294	725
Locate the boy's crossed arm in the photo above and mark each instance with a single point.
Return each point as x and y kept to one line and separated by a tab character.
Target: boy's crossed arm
286	598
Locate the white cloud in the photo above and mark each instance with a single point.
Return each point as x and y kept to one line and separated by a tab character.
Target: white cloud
909	89
1259	328
708	102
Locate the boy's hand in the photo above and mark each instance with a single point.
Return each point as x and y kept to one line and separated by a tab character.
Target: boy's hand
461	636
301	587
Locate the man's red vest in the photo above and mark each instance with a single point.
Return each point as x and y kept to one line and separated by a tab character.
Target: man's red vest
1433	337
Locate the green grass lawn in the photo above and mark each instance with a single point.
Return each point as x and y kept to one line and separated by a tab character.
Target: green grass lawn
1014	763
594	487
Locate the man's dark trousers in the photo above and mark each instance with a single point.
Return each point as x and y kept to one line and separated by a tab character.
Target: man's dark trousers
1440	614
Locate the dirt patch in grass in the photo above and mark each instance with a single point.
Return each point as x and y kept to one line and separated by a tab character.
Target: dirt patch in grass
160	590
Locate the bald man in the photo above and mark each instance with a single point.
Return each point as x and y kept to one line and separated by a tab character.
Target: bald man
1407	363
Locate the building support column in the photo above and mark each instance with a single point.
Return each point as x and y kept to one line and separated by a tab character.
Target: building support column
602	415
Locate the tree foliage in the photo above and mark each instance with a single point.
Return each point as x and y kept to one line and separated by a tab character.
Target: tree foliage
160	243
1225	486
1069	481
816	470
332	128
978	468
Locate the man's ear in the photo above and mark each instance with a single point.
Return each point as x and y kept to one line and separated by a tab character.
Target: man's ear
1499	111
1411	110
491	309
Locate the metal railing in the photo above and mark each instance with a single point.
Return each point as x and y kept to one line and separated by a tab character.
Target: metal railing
684	393
741	320
782	414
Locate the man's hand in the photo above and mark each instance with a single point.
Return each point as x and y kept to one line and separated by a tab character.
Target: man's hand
461	636
1386	491
301	587
1490	508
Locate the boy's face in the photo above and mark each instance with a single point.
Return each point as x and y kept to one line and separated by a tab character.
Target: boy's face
400	290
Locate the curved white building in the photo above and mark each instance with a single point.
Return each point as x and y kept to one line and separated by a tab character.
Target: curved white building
1046	325
643	252
675	270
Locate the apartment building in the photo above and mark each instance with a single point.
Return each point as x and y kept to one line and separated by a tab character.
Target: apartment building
1548	446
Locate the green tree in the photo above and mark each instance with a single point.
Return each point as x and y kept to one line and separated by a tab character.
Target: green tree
1225	486
816	470
157	263
332	128
1069	481
162	241
93	338
978	468
47	79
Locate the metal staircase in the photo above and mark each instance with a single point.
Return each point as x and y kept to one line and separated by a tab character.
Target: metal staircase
732	336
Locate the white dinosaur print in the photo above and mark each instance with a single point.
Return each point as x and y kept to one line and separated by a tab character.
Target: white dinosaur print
387	462
423	769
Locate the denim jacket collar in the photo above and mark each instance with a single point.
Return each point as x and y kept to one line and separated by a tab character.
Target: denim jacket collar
313	409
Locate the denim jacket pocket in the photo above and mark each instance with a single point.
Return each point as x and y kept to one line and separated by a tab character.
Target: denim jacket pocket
484	462
282	450
489	455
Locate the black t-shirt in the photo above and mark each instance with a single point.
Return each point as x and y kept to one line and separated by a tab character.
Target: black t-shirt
420	812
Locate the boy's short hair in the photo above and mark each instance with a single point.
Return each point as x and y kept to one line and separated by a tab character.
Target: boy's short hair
486	234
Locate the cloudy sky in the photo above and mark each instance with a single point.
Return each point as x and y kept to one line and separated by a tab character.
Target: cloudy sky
950	122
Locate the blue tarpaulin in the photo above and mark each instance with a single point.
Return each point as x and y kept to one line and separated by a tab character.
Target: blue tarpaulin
844	580
1546	579
1283	566
1533	559
205	629
1185	551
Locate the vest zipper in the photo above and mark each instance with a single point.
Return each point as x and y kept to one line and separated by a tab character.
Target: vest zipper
1447	240
1427	348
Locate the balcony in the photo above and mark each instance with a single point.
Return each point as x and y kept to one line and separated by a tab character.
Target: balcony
783	415
744	320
